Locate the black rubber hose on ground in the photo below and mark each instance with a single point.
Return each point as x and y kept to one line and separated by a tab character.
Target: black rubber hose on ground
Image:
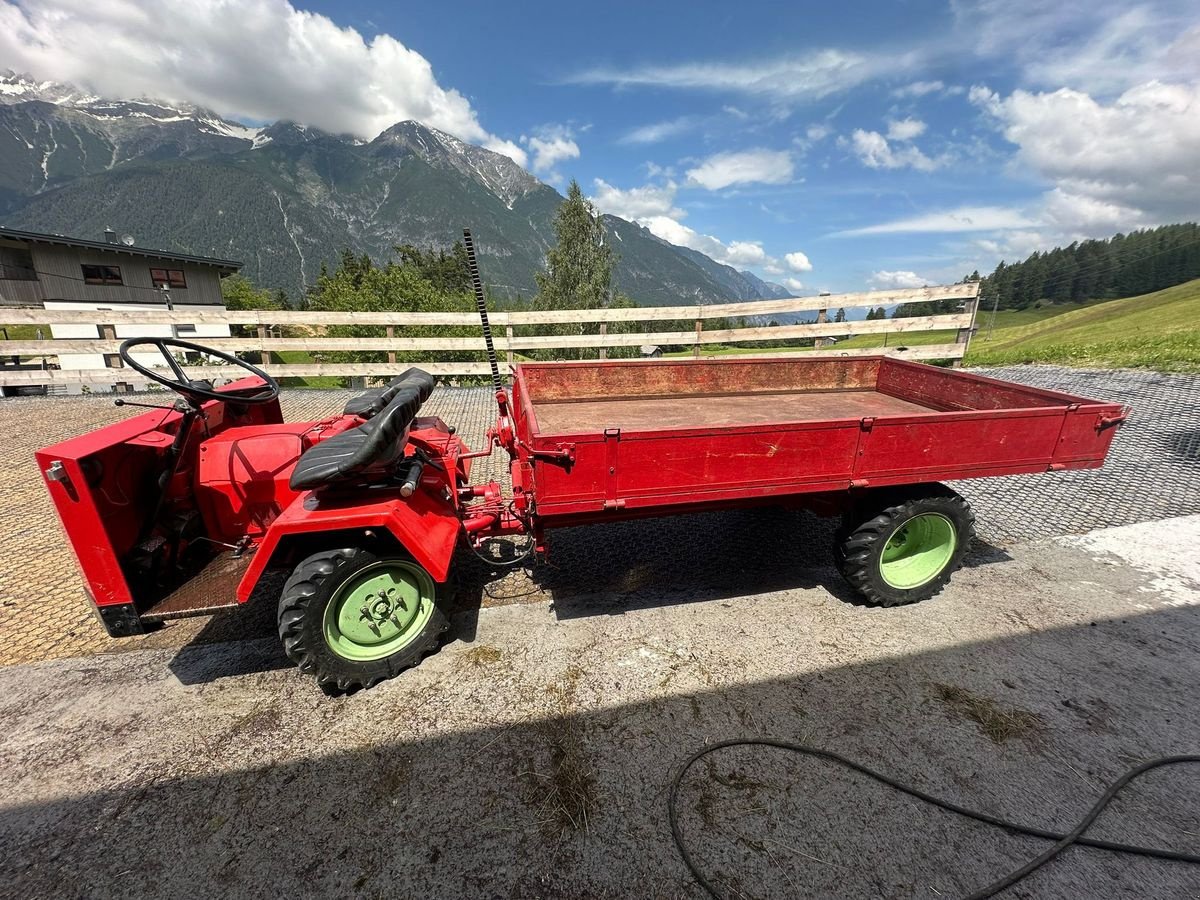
1062	841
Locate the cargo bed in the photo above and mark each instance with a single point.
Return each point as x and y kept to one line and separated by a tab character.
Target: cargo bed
636	435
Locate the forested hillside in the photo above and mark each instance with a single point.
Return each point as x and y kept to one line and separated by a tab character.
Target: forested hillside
1122	266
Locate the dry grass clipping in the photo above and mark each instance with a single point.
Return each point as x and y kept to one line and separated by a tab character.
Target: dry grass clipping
1000	723
566	795
482	655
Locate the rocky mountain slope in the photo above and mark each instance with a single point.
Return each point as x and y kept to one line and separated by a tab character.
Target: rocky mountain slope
285	199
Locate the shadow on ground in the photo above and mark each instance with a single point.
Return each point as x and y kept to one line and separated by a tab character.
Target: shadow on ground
260	788
611	569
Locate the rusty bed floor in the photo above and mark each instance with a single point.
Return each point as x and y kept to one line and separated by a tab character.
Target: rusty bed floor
648	414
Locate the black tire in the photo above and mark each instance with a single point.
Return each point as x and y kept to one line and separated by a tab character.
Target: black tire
860	542
302	606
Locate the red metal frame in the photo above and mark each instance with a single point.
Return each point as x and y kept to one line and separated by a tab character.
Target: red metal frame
974	427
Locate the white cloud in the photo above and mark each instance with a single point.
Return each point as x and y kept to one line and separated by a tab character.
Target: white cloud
873	149
744	253
883	279
550	145
657	132
818	131
1128	162
636	204
653	206
797	77
793	284
258	59
905	129
1102	47
963	218
743	167
735	253
1015	245
919	89
798	262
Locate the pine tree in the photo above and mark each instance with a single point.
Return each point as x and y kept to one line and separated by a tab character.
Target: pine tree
579	268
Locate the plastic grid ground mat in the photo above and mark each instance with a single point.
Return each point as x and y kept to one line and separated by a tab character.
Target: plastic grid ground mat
1152	470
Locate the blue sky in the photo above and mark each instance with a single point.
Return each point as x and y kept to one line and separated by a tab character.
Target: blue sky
824	146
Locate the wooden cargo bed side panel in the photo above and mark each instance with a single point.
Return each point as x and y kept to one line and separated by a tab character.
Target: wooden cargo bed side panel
654	378
959	445
948	389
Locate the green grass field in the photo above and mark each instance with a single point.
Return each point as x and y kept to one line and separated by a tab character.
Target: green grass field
1158	331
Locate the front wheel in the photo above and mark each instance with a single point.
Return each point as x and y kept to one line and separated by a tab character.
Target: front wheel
905	546
352	618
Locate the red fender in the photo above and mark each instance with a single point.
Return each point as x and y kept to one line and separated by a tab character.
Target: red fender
423	524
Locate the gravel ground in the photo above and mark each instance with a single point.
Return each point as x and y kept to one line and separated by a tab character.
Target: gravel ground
1152	472
530	757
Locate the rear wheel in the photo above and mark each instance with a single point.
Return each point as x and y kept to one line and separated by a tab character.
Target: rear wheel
352	618
905	546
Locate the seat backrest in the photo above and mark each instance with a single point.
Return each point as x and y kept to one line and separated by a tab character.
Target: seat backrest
355	456
370	403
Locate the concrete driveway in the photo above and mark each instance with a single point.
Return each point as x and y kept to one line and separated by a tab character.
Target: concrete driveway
531	756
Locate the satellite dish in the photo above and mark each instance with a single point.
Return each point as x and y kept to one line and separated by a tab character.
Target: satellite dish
127	240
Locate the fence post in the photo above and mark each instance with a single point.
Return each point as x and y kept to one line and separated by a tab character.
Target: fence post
699	331
604	333
262	349
970	306
391	333
508	337
822	318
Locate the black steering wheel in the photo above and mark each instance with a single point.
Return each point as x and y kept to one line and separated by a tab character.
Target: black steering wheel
198	390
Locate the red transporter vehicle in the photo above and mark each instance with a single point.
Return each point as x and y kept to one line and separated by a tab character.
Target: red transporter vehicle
349	523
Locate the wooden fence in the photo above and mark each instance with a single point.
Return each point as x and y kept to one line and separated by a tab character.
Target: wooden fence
48	362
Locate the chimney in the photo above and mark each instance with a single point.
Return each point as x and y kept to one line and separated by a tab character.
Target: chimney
110	236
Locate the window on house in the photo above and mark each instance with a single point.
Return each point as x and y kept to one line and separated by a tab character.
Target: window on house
172	278
185	329
102	274
16	265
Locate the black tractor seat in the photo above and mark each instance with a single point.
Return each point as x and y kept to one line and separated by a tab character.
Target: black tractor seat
364	454
370	403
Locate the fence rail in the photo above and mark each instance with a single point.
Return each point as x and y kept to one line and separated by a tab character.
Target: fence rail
73	352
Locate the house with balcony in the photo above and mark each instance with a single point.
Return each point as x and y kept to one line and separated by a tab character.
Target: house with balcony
53	271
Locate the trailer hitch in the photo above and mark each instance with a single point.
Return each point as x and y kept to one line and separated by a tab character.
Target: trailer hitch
562	454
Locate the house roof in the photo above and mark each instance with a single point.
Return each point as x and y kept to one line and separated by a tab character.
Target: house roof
61	240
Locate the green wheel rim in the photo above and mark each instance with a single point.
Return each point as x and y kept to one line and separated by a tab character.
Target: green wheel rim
918	551
379	610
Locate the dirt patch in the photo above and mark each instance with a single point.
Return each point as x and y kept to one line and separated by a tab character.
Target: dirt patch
1000	723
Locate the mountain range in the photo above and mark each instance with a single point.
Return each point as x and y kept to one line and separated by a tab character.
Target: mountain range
284	198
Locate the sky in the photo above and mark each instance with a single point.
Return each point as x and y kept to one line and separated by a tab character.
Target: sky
888	143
